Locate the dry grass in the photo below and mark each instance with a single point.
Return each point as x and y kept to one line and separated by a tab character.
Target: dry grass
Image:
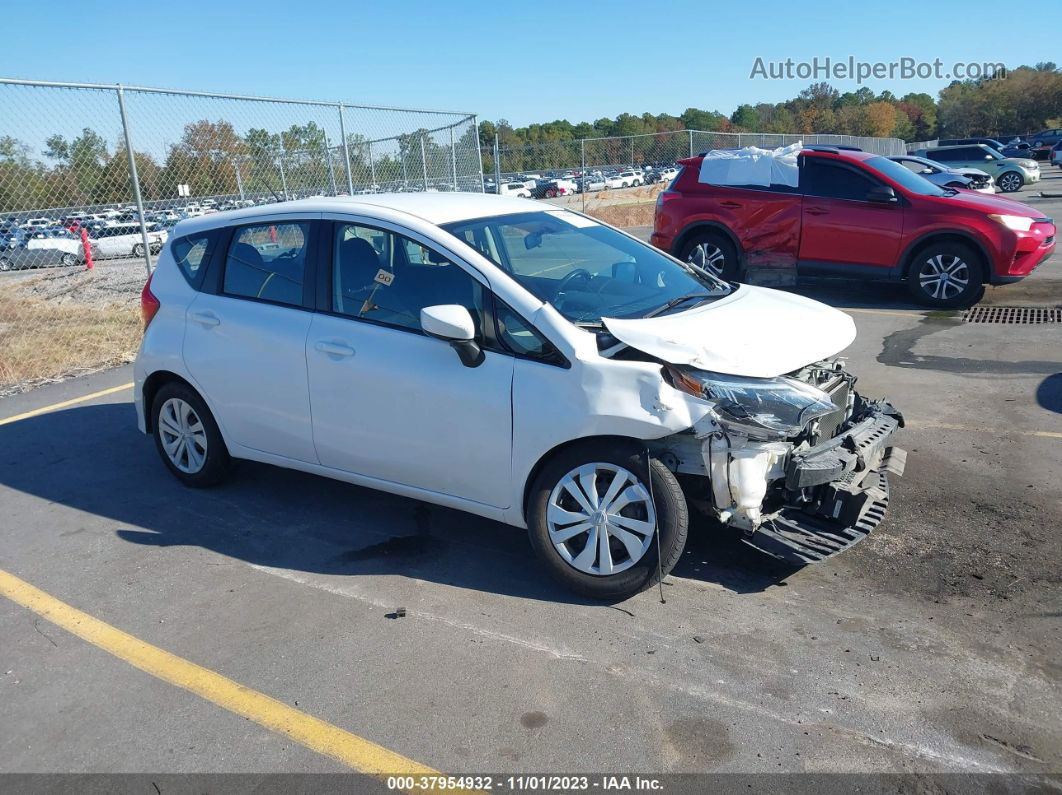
43	340
624	215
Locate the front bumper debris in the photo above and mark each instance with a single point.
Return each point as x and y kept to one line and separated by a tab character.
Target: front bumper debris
845	486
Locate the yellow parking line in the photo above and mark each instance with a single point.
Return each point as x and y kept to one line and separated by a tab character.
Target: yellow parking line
317	735
65	403
948	426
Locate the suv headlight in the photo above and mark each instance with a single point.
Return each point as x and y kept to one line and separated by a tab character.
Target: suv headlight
776	408
1019	223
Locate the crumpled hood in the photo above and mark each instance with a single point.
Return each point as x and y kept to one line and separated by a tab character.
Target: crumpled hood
755	331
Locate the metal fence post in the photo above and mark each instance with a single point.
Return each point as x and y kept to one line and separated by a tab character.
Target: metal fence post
239	178
582	170
346	150
372	170
424	160
453	157
134	179
283	177
497	165
331	168
691	142
479	152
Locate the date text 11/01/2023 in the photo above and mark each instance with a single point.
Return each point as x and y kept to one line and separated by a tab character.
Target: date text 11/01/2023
533	783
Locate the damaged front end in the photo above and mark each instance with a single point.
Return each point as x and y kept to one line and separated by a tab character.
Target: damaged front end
798	463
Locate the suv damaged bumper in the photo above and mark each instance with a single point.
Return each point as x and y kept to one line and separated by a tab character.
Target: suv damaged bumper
795	500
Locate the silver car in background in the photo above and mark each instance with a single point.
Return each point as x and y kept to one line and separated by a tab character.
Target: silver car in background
966	178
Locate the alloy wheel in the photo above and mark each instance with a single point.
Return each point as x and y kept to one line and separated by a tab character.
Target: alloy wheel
708	257
1009	182
183	436
68	260
944	276
600	518
5	264
138	250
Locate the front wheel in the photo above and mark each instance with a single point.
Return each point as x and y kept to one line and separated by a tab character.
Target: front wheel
138	250
68	260
1011	182
947	276
594	514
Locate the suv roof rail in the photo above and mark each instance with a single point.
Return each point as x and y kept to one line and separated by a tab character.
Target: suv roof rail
832	148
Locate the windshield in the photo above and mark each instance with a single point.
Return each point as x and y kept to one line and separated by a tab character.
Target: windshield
587	271
915	183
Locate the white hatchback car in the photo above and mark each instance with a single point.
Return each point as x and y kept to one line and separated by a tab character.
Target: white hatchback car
517	361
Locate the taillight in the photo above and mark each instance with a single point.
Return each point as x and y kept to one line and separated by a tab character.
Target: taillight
149	304
666	196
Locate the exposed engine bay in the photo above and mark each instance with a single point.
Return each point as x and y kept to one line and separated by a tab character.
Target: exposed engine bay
798	463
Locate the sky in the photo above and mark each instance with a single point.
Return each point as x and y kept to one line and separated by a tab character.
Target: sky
524	62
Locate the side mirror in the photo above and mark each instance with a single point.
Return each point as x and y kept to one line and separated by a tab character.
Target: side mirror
882	194
453	323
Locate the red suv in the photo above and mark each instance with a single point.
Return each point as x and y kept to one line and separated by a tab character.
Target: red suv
854	214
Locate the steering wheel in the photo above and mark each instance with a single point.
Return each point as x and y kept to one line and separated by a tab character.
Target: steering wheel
578	273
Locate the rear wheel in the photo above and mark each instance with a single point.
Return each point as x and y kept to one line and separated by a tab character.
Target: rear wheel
594	512
138	250
187	437
68	260
1010	182
713	252
5	264
946	275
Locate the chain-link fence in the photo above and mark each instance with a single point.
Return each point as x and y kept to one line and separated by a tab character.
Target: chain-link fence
101	173
651	149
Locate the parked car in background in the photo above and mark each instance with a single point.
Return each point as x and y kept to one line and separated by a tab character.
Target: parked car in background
591	183
858	215
1018	149
1009	173
517	189
1046	138
625	179
1056	154
125	240
992	142
37	249
938	174
594	401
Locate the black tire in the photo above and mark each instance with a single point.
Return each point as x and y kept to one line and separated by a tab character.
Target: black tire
68	260
669	503
218	463
729	269
138	250
1010	182
5	264
925	265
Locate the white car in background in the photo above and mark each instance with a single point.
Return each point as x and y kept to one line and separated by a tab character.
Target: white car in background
625	179
125	240
448	348
515	189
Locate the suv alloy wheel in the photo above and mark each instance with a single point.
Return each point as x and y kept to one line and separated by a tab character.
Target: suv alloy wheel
946	275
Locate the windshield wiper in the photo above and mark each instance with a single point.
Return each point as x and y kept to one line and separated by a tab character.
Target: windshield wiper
675	302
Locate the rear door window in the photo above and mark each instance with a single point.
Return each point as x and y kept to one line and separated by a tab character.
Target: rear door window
267	262
831	181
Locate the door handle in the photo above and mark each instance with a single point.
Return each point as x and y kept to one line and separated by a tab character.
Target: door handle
817	211
208	319
730	205
334	348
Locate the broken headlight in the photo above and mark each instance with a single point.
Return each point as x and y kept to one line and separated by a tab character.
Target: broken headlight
773	408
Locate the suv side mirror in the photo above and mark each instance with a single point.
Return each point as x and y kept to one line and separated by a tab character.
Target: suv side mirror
453	323
882	194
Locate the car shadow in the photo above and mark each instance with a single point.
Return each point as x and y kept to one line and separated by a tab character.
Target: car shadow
856	293
92	459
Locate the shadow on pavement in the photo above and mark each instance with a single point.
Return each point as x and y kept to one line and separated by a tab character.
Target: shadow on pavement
1049	393
92	459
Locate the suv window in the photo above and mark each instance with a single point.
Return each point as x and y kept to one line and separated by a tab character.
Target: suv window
191	254
268	261
830	181
388	278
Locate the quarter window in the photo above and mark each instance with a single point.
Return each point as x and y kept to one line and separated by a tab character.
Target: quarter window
268	261
191	254
388	278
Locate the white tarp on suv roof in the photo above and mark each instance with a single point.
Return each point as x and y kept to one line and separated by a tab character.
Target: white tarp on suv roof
752	166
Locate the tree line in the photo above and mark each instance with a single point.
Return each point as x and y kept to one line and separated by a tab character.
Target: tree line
1029	98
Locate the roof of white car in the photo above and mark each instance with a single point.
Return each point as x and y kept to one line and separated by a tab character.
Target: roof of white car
435	208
